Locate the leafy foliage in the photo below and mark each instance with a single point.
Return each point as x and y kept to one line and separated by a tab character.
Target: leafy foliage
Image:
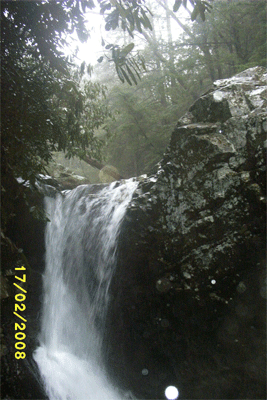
177	73
144	117
226	43
133	16
129	15
200	7
45	109
45	104
128	68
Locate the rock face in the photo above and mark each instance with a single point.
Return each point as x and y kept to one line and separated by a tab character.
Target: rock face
19	379
188	299
189	294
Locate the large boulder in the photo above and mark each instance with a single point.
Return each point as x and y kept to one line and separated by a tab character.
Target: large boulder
189	293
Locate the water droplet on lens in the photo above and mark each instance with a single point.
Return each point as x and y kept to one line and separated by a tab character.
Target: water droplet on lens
241	288
144	371
165	323
171	393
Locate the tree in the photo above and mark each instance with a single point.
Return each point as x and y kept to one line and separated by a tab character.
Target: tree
177	73
144	115
230	38
44	106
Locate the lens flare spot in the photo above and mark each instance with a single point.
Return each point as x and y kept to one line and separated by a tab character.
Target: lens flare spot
171	393
144	371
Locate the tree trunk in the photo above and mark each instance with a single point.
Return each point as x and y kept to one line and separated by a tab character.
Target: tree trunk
96	164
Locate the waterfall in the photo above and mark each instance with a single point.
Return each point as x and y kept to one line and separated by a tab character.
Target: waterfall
81	242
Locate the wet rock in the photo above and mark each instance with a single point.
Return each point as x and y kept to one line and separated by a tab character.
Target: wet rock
206	224
63	178
105	174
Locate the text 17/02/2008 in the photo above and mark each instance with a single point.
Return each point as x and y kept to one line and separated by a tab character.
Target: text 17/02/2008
20	307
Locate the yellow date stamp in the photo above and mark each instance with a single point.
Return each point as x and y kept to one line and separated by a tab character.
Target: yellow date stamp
19	307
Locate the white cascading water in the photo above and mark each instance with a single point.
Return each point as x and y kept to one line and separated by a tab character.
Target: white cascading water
81	242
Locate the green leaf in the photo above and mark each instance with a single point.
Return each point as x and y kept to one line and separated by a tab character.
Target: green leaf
100	59
135	67
127	49
120	75
130	18
114	53
82	67
207	6
87	4
89	69
177	5
131	74
122	11
130	32
138	24
142	61
195	13
202	14
104	8
202	9
146	22
126	76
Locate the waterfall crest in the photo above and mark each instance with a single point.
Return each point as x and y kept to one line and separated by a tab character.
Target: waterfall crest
81	243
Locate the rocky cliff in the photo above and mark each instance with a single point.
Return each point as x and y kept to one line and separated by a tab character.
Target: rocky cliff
188	300
190	289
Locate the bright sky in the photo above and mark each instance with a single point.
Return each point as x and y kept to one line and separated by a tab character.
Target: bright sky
92	49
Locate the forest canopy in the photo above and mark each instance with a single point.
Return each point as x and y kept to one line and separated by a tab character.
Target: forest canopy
183	59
